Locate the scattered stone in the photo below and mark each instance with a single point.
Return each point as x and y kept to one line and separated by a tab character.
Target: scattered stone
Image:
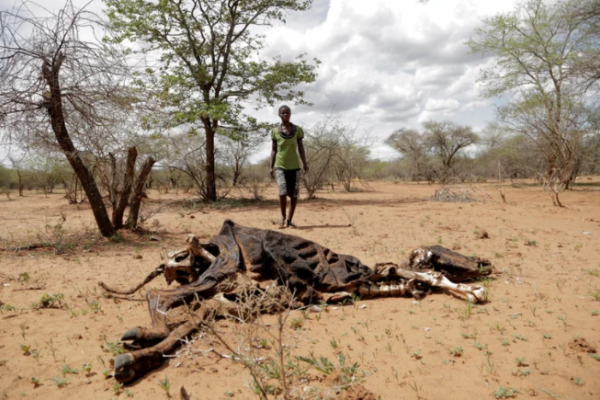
581	345
137	257
483	234
452	195
77	336
315	309
155	238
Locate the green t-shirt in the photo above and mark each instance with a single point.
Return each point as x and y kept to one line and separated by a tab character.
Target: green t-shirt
287	149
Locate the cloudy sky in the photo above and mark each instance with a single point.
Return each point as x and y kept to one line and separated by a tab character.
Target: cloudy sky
385	64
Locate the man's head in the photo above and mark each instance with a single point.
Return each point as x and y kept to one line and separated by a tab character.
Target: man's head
285	113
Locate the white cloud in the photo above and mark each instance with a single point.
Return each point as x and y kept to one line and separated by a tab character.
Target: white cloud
386	63
392	63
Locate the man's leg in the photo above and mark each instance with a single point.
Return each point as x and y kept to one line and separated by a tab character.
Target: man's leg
293	202
283	206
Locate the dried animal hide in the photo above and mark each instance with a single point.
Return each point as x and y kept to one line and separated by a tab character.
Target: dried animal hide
240	256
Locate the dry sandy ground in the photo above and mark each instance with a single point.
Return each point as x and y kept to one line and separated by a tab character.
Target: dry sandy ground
537	334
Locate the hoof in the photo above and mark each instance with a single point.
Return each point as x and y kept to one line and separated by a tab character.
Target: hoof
131	346
123	361
125	376
132	334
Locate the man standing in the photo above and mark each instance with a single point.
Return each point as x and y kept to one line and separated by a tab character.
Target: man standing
286	152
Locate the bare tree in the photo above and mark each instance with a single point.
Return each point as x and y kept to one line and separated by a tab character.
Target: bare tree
235	151
52	77
320	146
334	150
543	51
17	166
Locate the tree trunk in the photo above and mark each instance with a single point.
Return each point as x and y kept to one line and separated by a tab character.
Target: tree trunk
117	217
211	185
112	184
50	74
136	197
20	183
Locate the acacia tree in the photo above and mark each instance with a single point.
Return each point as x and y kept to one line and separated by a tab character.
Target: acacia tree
208	61
536	50
445	139
410	143
53	81
441	141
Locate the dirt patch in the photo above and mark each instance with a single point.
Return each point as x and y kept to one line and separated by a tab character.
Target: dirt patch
582	346
542	295
357	392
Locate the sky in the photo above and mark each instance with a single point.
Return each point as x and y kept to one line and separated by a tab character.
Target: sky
385	64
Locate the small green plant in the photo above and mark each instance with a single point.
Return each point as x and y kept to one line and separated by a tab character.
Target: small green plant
95	307
35	381
321	364
593	272
118	387
465	312
531	243
59	382
165	385
26	349
456	352
595	356
563	318
578	381
521	362
50	301
505	393
35	354
52	349
116	238
24	277
499	327
520	337
3	362
416	388
334	343
87	368
115	348
522	372
532	309
297	324
490	366
68	370
7	307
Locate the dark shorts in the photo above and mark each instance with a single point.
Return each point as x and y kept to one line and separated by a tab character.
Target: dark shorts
288	182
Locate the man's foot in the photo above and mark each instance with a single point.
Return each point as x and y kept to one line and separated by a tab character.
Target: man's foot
281	223
290	224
